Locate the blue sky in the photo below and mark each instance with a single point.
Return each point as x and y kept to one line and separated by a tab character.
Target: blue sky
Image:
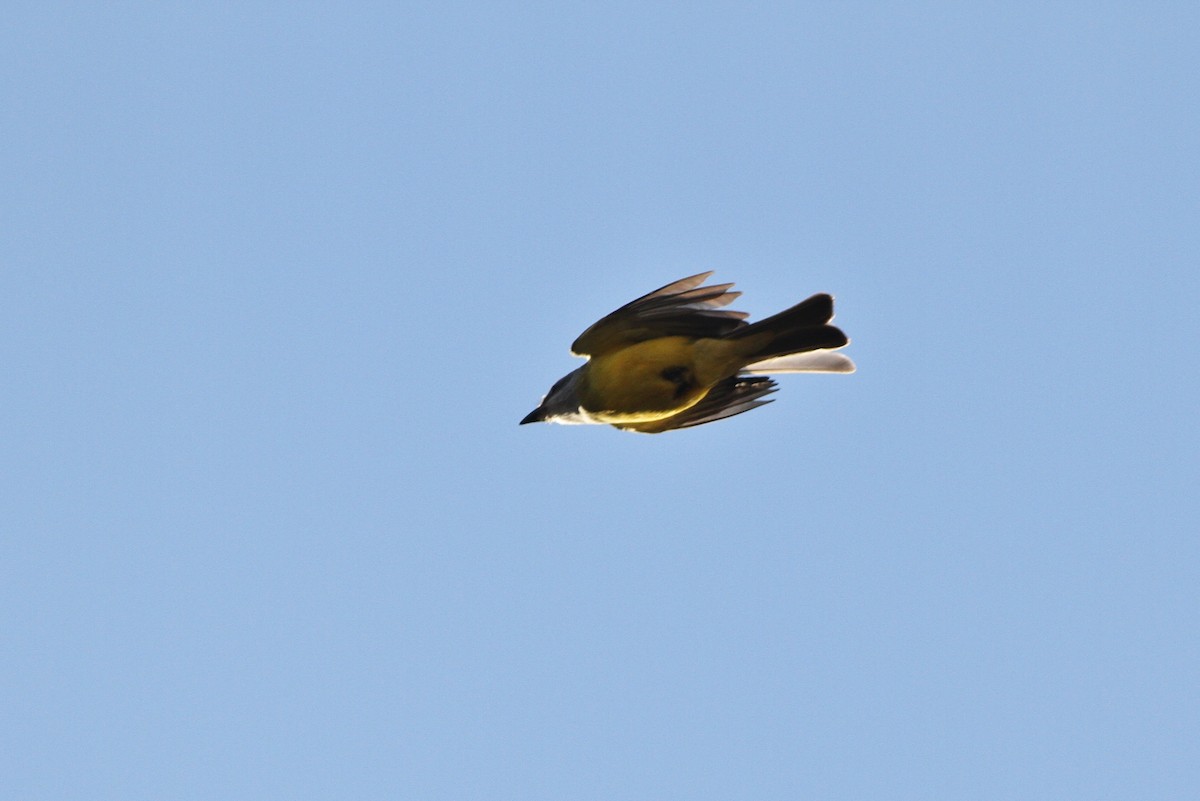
279	280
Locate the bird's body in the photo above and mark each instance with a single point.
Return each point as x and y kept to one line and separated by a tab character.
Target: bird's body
651	380
674	359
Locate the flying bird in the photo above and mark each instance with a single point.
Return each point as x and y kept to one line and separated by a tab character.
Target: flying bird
675	358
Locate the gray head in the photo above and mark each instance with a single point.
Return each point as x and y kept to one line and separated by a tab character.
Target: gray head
561	404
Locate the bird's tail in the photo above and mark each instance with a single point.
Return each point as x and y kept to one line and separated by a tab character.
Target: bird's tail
813	361
802	328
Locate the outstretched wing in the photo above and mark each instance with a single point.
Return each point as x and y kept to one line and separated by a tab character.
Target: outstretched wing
734	395
683	308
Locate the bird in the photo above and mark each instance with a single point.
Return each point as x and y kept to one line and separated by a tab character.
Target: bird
675	358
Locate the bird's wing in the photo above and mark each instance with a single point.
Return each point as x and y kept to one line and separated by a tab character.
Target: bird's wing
734	395
683	308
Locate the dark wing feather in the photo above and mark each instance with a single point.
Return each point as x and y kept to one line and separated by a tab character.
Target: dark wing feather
732	396
682	308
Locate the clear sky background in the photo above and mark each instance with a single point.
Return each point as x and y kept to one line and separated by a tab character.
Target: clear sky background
278	281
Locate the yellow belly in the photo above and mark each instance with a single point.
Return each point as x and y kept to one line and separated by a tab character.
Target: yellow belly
647	381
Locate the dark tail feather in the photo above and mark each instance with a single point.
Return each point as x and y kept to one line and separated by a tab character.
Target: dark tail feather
803	327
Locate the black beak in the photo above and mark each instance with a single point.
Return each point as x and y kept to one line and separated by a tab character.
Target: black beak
536	416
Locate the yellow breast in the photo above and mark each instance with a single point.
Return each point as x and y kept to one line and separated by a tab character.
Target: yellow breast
647	381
